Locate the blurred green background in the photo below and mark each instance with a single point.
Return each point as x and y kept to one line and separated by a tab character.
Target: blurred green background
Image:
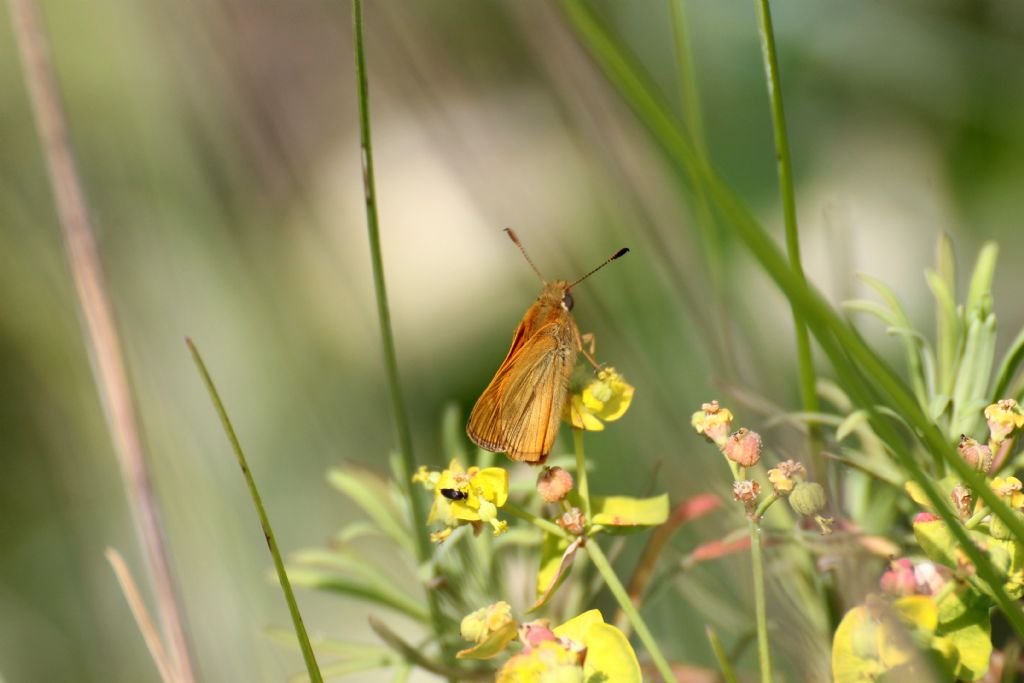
218	144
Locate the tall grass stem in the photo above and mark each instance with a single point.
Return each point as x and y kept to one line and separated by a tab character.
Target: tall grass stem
764	657
99	327
805	359
398	411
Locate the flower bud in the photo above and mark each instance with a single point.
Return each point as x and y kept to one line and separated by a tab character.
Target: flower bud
743	447
807	498
962	500
535	633
746	491
925	517
479	625
1003	417
554	484
977	455
899	579
713	421
573	521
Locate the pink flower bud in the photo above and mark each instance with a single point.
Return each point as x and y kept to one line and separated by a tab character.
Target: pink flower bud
535	633
573	521
554	484
924	517
977	455
899	580
743	447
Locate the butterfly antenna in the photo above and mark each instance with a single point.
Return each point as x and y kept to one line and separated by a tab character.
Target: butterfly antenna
620	252
515	238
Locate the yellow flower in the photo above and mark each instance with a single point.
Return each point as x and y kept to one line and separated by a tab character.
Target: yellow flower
462	496
605	398
1003	417
713	421
491	628
785	476
1010	489
584	648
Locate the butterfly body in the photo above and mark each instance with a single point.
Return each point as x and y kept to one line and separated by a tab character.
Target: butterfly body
520	410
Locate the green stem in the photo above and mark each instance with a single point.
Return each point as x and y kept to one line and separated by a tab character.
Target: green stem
582	487
765	504
808	393
723	660
760	605
293	608
538	522
976	518
398	411
622	597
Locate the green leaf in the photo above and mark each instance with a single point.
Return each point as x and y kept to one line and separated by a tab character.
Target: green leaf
327	581
624	512
979	294
854	649
1008	367
971	633
556	559
371	493
852	421
947	331
971	388
493	645
937	542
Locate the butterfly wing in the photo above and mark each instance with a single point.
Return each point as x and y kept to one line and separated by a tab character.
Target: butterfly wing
520	410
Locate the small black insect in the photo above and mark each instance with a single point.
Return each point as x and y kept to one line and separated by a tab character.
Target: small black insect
454	494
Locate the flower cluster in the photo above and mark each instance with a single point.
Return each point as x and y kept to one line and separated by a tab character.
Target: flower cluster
463	496
742	448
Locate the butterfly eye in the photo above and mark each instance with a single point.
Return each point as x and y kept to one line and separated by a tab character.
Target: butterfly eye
454	494
567	301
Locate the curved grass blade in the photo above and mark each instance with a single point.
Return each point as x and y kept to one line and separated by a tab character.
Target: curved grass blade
293	607
866	375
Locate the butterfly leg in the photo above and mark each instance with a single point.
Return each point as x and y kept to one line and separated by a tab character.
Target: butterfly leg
588	347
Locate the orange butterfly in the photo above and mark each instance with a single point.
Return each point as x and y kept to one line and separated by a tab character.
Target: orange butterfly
520	409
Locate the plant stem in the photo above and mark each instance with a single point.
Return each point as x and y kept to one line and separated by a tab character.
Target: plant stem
760	605
538	522
622	597
976	518
99	330
808	393
398	411
582	486
293	608
723	661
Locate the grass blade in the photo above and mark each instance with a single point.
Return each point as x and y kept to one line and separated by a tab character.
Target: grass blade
97	319
268	533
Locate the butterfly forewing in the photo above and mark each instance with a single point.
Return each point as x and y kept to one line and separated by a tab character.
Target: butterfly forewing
521	408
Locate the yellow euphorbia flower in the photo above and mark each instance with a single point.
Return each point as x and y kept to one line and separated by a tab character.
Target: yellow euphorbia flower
1010	489
1003	417
462	496
713	421
605	398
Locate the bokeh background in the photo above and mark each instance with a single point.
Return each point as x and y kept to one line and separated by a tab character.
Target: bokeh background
218	144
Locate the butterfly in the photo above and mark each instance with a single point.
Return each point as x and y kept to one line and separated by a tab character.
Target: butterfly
520	410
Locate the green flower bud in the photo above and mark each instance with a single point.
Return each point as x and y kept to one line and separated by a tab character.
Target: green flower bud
807	498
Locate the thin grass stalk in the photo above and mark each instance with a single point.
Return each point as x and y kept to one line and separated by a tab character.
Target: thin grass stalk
728	675
849	354
805	359
99	330
711	233
143	621
398	410
268	533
